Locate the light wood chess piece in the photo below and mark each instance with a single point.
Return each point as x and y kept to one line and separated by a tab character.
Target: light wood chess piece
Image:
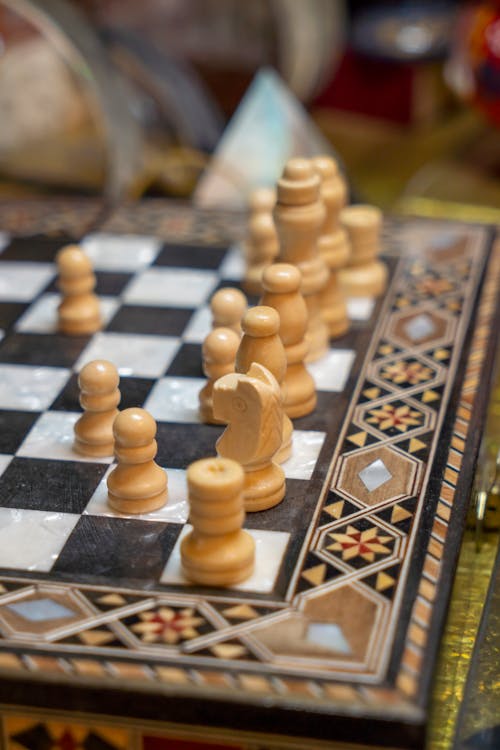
281	282
218	357
333	245
217	552
228	305
299	216
365	275
99	397
138	484
261	246
261	343
251	405
79	310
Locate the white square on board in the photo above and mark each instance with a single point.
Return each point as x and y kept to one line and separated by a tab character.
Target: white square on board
120	252
171	287
20	282
199	326
270	547
137	355
306	447
33	539
52	437
233	265
42	316
30	388
175	510
331	372
175	399
360	308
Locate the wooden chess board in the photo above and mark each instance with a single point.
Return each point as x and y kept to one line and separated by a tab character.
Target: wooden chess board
334	637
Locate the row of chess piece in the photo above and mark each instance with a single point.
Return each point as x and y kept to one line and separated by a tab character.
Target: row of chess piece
243	476
254	360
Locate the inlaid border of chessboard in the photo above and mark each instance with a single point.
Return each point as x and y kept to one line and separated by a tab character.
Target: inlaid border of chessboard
175	220
421	294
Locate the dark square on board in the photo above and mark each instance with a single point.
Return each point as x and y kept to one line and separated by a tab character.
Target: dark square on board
187	362
179	444
36	248
14	426
160	321
191	256
49	485
134	392
117	548
47	350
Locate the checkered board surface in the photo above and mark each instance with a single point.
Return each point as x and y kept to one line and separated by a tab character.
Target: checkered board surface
54	518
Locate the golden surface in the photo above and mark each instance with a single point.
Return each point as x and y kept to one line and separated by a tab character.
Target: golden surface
464	614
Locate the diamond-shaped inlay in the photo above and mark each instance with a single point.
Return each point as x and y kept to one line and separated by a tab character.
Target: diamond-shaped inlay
329	636
375	475
40	610
420	327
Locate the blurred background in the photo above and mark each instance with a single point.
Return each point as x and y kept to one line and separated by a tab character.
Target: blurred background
121	99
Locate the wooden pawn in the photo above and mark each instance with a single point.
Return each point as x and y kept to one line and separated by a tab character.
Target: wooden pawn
218	358
261	247
217	552
261	343
281	282
137	484
228	305
79	310
99	397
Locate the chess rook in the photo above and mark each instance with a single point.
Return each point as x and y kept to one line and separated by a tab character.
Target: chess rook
365	275
281	282
251	405
333	245
261	343
218	357
138	484
299	216
99	397
217	552
228	305
261	246
79	310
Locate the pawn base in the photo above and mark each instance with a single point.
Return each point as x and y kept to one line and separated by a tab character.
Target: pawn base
264	488
96	451
80	327
369	280
137	506
218	561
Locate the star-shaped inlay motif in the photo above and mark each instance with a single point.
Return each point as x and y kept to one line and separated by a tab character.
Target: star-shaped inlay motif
167	625
407	372
353	543
399	417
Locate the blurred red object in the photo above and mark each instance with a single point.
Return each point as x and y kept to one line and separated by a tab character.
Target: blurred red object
484	53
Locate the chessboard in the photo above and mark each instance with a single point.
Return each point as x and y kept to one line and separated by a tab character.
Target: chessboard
339	625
